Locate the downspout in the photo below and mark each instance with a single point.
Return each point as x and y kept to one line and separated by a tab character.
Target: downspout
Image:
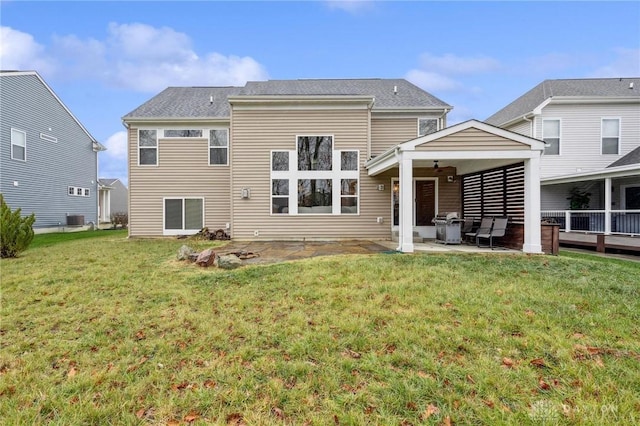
369	108
442	123
531	128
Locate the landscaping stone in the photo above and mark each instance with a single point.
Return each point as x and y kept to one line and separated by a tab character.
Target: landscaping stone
206	258
229	262
186	253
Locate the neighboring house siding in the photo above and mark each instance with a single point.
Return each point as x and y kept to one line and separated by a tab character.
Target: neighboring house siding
50	167
183	170
257	132
387	132
523	128
580	143
119	198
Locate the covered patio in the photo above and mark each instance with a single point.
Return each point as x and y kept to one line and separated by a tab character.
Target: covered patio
468	150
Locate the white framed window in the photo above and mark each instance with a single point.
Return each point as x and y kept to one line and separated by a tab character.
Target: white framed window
76	191
182	215
630	197
610	131
279	196
315	153
218	147
147	147
18	145
314	178
551	136
426	126
182	133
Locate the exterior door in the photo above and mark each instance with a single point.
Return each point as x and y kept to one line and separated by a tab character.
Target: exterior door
425	202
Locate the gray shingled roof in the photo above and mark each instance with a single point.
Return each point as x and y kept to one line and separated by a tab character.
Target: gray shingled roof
187	102
106	182
588	87
194	102
632	157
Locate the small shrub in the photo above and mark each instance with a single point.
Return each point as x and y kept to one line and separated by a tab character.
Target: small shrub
16	232
120	218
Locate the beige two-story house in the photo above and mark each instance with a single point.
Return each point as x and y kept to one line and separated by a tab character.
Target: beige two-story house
317	159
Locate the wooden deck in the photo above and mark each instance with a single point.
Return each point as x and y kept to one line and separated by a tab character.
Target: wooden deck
601	242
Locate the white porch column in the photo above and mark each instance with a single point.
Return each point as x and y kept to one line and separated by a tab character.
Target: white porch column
532	228
607	206
405	234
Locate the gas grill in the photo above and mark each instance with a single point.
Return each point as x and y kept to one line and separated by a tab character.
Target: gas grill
448	228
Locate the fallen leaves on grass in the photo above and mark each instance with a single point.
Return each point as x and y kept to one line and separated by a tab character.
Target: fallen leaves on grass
507	362
352	354
538	362
429	411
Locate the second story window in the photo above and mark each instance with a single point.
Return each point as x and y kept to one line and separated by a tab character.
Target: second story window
551	136
426	126
219	147
611	136
18	145
147	147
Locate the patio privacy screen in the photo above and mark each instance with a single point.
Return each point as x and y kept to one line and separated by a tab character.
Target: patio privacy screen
495	192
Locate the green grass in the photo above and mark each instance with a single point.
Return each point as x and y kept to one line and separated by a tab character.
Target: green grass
108	330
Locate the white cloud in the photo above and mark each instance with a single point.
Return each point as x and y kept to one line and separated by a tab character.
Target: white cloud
436	73
133	56
19	51
431	81
453	64
117	145
626	64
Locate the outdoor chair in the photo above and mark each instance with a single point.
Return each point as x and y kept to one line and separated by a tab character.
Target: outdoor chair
467	227
484	228
497	230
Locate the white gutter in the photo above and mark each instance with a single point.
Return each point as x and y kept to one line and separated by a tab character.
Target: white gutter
611	172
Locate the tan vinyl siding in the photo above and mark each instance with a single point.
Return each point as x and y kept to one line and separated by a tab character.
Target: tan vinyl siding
388	132
472	140
580	130
183	170
257	132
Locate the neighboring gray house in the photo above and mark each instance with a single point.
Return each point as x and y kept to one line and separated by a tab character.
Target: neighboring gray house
113	198
591	128
48	159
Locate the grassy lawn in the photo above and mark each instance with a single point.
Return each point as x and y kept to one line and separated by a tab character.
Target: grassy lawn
107	330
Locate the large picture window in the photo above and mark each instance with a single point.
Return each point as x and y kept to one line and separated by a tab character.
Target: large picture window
314	152
18	145
219	147
611	136
551	136
314	196
314	178
148	147
183	215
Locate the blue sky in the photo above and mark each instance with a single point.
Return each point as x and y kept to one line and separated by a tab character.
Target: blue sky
104	59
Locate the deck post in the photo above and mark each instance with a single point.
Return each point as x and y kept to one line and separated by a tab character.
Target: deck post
607	206
532	227
405	234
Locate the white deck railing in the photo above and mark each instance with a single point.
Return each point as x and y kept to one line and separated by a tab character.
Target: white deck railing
624	222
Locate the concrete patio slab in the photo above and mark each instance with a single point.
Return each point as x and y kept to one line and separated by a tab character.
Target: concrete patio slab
264	252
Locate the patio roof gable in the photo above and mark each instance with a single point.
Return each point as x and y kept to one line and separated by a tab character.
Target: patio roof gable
473	135
470	140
